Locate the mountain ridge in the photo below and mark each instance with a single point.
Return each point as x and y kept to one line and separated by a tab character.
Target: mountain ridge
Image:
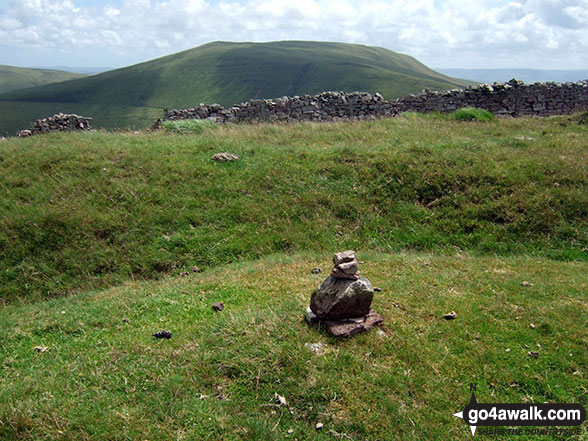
15	78
226	73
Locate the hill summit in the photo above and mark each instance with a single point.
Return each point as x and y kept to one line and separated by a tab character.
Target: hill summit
225	73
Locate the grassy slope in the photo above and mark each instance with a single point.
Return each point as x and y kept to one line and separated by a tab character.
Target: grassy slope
94	209
103	378
13	78
226	73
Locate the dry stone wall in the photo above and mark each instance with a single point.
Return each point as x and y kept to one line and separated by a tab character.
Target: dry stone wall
513	98
57	123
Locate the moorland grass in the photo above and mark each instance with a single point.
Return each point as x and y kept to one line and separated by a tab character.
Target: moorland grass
188	126
90	210
104	377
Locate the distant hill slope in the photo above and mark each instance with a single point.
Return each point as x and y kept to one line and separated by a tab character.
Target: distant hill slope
226	73
13	78
526	75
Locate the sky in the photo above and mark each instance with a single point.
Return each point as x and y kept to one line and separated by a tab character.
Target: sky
540	34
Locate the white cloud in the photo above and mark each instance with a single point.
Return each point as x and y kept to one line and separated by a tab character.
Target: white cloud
450	33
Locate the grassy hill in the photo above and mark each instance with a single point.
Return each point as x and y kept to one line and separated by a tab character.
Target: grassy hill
13	78
94	209
227	73
489	220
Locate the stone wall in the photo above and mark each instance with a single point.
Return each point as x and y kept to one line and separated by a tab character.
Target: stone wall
508	99
57	123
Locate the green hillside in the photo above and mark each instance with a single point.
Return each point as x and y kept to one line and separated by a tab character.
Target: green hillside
85	210
13	78
226	73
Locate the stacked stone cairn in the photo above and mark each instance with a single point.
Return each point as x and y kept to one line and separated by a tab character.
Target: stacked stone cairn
342	303
59	122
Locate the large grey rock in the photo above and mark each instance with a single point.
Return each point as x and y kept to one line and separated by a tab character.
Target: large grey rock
342	298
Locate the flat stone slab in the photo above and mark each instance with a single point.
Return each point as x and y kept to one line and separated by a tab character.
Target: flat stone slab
343	328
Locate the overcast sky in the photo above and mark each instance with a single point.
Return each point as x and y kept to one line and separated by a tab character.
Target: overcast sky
543	34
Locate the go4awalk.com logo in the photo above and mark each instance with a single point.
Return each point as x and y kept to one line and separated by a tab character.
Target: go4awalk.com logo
520	414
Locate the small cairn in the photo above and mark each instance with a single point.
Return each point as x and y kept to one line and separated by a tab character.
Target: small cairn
341	304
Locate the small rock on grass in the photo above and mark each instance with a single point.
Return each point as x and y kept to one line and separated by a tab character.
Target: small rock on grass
316	270
450	315
163	334
280	400
317	348
225	157
534	354
218	306
319	426
41	348
525	283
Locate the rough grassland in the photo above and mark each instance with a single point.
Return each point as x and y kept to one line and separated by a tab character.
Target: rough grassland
103	377
89	210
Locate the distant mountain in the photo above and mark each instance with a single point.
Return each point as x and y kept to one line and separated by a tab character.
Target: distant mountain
526	75
226	73
13	78
83	70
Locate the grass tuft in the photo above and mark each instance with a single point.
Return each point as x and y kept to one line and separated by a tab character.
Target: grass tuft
189	126
472	114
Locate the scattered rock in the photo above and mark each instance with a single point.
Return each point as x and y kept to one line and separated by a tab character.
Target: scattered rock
195	269
126	320
316	270
41	348
450	315
533	354
319	426
225	157
525	283
317	348
290	431
218	306
532	326
280	400
507	350
163	334
377	289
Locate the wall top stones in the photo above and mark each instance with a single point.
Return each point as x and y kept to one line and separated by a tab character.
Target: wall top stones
59	122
